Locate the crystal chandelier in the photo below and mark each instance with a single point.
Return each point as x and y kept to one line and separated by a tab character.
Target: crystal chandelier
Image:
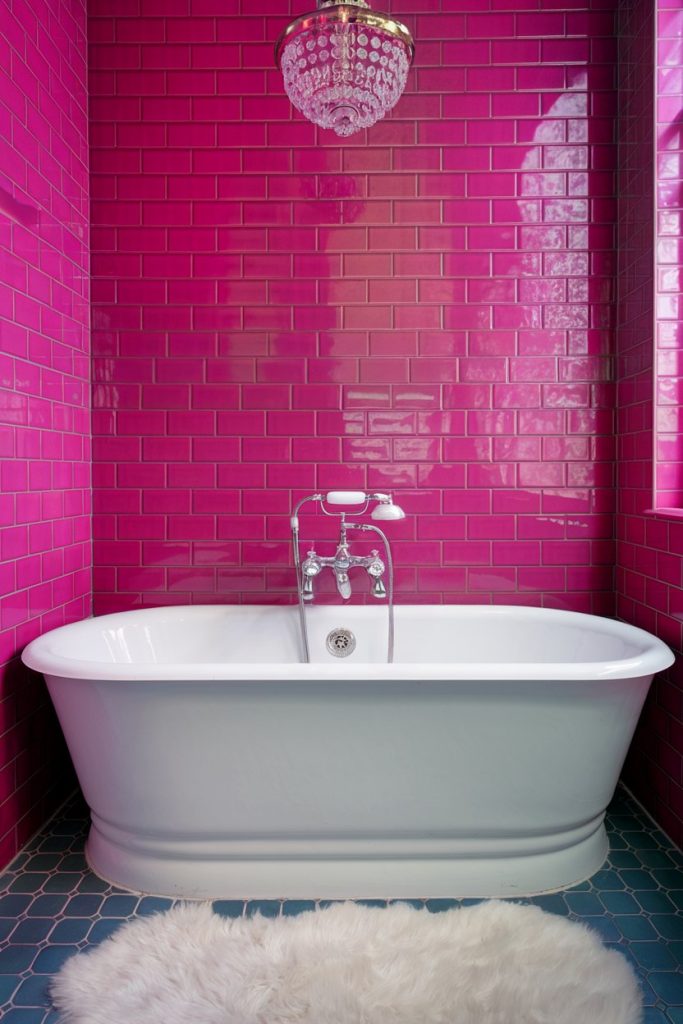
344	66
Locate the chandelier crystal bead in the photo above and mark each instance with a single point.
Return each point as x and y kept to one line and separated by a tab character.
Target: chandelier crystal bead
344	66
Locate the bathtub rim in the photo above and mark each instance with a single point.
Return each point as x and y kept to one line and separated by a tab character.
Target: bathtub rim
655	656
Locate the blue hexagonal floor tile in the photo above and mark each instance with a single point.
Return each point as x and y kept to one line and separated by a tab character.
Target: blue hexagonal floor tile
51	905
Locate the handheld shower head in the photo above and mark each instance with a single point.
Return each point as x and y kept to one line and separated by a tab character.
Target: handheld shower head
387	511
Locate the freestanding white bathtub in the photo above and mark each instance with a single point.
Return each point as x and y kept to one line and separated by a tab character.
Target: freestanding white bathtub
215	764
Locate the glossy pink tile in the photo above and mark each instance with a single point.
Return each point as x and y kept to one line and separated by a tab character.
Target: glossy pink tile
45	579
649	551
422	309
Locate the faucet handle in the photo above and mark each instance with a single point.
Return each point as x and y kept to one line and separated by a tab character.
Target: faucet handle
312	565
376	567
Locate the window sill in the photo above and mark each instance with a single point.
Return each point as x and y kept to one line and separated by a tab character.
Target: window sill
665	513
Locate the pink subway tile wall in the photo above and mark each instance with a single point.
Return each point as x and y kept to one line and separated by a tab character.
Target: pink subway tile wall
650	547
425	307
45	577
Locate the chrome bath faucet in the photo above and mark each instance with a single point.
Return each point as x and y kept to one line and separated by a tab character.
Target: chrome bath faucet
340	563
379	507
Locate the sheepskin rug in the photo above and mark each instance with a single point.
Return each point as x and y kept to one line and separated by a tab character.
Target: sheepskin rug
491	963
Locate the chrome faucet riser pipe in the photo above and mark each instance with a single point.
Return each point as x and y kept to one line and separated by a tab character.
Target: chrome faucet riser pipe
300	590
390	590
294	520
294	523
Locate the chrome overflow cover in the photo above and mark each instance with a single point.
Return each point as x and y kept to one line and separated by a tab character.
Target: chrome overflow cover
340	642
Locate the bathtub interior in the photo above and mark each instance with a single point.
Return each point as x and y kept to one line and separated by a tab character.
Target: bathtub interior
271	635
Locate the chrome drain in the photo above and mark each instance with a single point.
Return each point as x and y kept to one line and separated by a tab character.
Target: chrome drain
341	642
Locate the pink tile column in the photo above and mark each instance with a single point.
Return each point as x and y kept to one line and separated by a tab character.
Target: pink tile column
45	547
423	307
650	548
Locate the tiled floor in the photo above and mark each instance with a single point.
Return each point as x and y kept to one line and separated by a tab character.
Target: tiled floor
51	906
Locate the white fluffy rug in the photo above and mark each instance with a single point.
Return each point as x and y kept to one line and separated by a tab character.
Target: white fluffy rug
492	963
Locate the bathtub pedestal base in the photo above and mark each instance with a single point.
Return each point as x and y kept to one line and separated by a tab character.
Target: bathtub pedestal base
328	869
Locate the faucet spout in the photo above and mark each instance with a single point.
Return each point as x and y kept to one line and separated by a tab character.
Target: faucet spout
343	584
341	564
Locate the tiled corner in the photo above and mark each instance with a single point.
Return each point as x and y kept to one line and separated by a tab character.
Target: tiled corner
649	562
45	458
52	906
